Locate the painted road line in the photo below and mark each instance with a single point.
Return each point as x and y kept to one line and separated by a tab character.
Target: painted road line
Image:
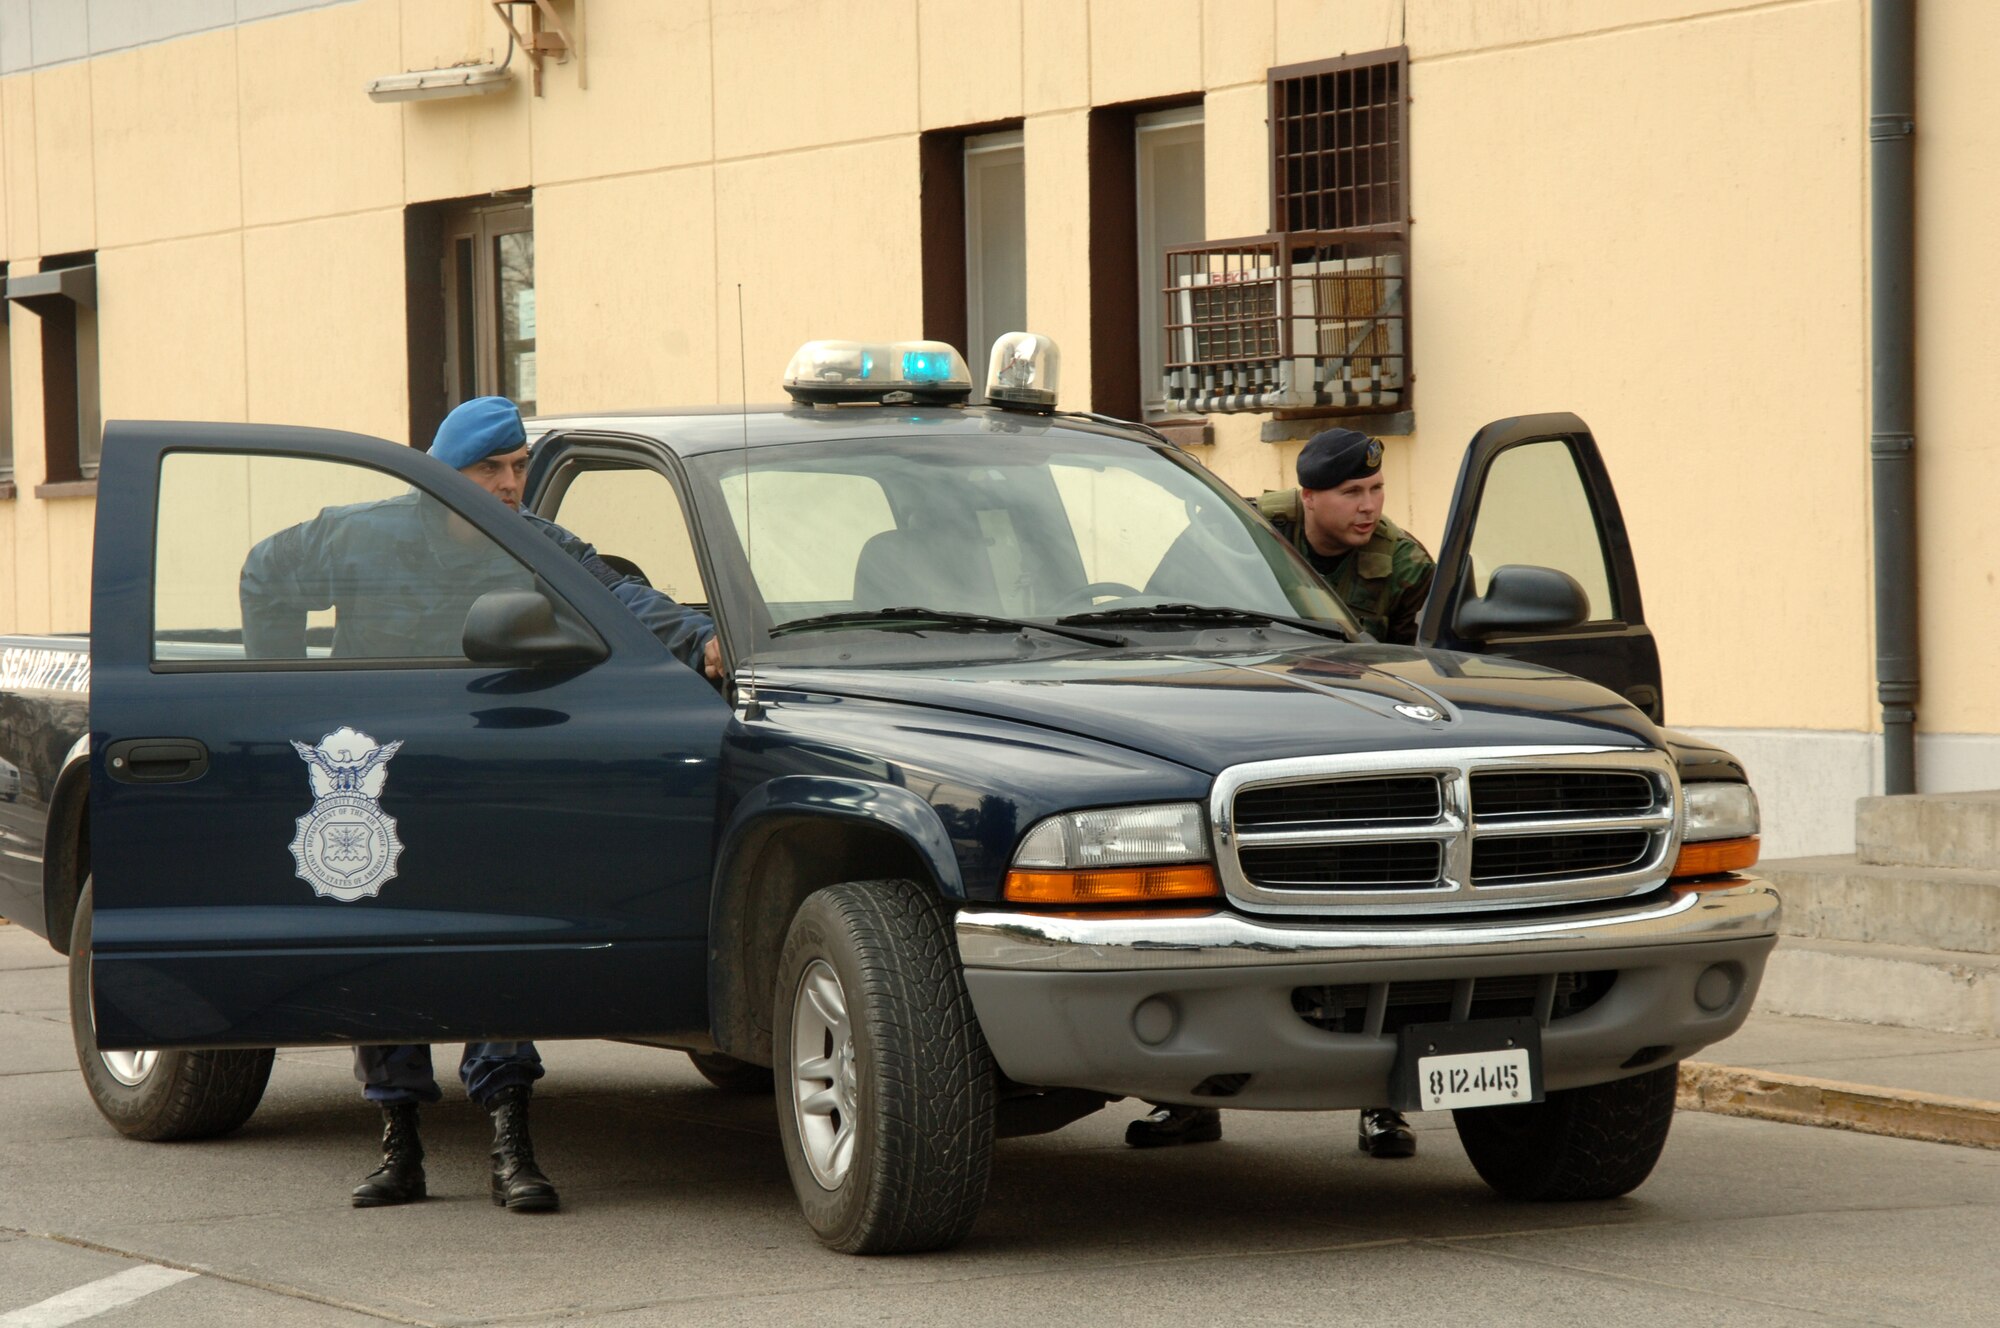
94	1298
1765	1095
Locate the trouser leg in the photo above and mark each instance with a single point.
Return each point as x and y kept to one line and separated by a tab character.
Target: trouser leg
488	1067
391	1075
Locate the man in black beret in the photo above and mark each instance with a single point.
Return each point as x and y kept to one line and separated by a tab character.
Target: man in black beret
1335	519
1380	571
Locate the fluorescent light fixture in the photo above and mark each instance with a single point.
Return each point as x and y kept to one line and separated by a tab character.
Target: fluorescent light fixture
455	81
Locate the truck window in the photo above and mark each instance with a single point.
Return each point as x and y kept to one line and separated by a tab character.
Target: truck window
814	526
262	558
632	513
1534	510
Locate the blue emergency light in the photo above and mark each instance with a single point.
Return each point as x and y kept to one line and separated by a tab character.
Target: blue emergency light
827	372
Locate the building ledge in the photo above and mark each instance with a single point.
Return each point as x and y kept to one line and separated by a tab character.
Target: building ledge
1388	424
6	490
67	489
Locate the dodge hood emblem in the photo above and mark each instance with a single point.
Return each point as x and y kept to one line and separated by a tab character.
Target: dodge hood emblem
1422	712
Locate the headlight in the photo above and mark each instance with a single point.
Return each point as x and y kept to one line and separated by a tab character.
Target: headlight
1115	855
1116	837
1718	811
1719	828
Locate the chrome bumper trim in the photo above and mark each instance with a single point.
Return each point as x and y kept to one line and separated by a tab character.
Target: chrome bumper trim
991	938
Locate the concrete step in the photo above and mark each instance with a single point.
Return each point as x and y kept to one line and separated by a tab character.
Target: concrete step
1930	830
1946	991
1845	899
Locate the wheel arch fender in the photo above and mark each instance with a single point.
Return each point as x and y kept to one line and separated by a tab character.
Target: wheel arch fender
66	847
790	837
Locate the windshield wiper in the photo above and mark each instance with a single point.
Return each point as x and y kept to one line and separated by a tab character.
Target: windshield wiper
920	617
1197	613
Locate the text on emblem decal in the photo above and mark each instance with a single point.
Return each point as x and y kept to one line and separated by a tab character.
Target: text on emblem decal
346	846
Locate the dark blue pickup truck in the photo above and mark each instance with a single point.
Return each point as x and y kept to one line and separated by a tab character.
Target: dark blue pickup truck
1046	774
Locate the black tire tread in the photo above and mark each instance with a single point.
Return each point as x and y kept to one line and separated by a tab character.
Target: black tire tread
1597	1142
933	1124
189	1095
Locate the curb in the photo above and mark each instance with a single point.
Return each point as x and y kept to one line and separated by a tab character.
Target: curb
1729	1091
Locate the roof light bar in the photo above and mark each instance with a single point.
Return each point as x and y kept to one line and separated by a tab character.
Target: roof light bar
929	372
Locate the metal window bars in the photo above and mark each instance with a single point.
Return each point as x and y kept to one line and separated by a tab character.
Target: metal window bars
1298	320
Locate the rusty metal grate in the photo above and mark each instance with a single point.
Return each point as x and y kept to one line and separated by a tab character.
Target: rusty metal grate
1287	322
1339	151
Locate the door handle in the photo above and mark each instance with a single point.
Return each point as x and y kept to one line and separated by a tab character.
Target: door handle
156	760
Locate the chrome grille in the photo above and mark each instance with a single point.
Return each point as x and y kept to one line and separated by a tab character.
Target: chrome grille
1443	831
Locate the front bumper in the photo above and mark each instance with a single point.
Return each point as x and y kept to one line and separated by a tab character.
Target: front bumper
1159	1008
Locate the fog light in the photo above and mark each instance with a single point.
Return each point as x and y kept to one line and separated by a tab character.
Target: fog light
1717	988
1155	1019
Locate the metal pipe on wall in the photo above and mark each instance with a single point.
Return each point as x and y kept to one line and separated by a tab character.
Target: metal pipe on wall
1892	443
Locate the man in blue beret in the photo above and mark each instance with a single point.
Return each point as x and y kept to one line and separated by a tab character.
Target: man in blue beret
401	574
1382	573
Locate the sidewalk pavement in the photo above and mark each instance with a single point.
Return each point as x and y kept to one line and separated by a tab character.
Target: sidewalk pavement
1941	1087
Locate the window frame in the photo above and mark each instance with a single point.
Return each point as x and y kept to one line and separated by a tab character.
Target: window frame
1174	124
481	226
978	336
62	295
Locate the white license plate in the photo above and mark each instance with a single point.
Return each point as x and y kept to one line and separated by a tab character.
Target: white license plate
1474	1079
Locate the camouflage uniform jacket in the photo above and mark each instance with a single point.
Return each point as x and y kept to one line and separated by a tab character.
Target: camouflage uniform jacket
1385	581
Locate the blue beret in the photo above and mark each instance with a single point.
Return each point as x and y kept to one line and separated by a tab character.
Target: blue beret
480	428
1332	457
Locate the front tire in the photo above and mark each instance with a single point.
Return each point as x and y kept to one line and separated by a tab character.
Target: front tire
158	1095
1596	1142
885	1085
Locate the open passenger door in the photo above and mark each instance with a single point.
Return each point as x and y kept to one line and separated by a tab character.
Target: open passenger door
1535	563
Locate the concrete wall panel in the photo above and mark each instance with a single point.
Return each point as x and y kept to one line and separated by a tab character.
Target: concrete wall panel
970	63
323	314
1322	29
1056	153
1613	226
1440	27
1958	343
63	152
1239	41
168	159
301	83
20	221
650	100
797	73
464	146
1055	56
625	281
170	330
1144	48
850	274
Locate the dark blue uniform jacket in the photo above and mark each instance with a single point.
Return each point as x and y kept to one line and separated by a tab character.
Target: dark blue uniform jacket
400	574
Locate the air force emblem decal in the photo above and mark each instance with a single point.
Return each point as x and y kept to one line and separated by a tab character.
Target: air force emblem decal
346	846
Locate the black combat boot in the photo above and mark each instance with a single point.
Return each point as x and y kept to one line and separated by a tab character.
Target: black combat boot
1167	1126
1384	1133
400	1178
518	1184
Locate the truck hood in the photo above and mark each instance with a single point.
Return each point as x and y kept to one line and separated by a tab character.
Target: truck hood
1209	711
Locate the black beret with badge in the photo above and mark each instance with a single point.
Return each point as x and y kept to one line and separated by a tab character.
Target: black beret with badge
1332	457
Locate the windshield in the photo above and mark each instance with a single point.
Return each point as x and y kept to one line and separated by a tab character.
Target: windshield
1008	529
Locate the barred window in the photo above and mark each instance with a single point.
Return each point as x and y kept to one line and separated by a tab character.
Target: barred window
1339	150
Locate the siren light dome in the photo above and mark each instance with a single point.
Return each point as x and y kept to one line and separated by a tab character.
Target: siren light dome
1023	371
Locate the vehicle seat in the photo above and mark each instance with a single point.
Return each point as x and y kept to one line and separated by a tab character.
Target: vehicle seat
924	566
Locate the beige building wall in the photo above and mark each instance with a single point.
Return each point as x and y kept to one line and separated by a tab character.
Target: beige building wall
1651	213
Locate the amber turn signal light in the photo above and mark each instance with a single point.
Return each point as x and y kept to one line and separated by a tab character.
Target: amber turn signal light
1122	885
1716	855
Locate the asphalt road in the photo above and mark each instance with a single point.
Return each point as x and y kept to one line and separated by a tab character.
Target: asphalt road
677	1210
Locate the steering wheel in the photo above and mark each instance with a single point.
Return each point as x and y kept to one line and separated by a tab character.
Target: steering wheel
1083	598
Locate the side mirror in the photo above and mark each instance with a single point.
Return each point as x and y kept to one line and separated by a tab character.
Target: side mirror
1521	598
523	628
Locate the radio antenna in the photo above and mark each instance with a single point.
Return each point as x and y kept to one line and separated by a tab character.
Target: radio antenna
751	708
